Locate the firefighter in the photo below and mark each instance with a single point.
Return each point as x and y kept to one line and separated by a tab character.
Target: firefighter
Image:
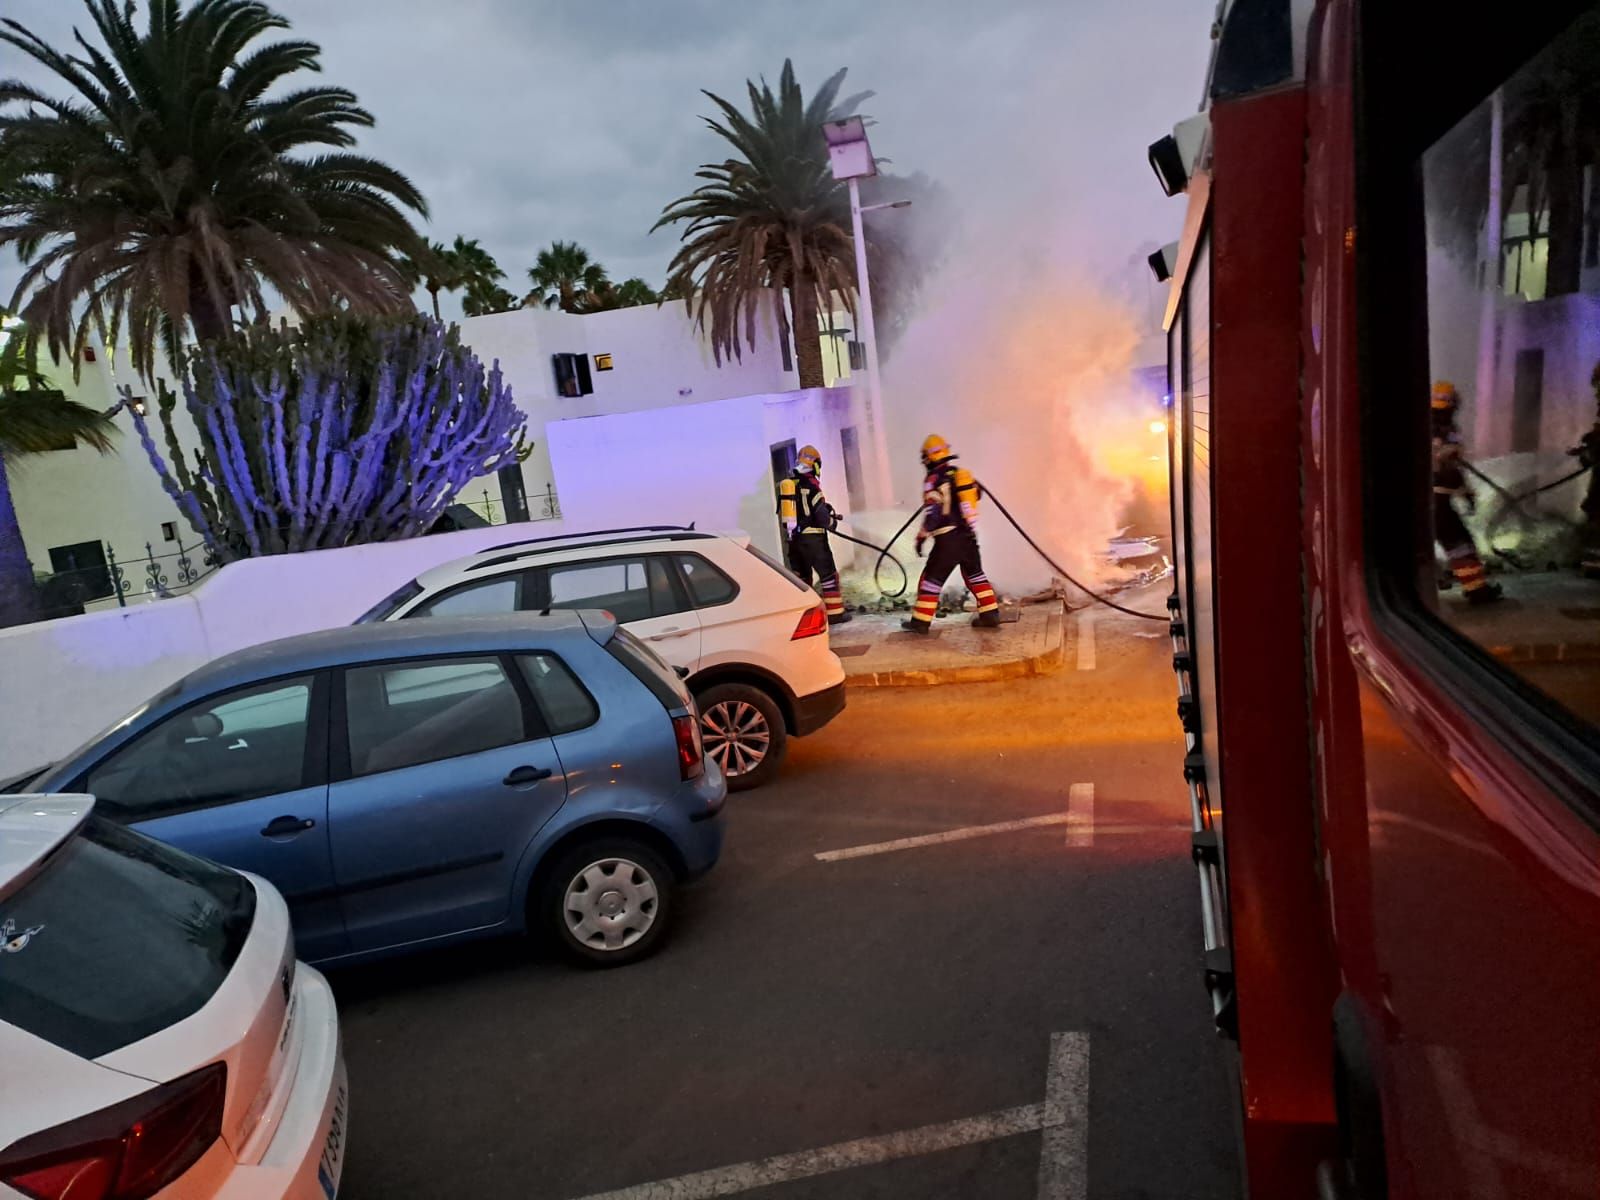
1587	452
807	519
1449	482
949	519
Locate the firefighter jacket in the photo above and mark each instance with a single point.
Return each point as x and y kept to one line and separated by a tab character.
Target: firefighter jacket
1448	478
802	504
950	500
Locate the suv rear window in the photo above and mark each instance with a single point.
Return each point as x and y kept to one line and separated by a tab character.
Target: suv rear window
117	938
778	567
390	604
648	669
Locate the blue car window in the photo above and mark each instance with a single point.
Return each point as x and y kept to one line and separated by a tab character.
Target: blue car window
403	714
237	746
564	702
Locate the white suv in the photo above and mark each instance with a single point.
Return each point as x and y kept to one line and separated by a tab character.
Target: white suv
748	635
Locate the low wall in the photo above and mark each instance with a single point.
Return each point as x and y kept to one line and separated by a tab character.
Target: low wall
63	681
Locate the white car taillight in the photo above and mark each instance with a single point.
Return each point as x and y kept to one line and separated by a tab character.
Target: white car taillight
128	1151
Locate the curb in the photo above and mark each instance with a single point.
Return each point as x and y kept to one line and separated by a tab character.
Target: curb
1049	661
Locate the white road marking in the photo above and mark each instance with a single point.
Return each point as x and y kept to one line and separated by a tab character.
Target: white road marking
1086	640
949	835
1081	832
1064	1155
844	1156
1063	1165
1080	814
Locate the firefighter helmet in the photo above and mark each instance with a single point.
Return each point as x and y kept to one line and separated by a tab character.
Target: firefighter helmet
1445	396
809	460
935	450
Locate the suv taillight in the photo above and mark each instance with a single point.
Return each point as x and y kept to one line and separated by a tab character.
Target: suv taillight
126	1152
812	622
691	755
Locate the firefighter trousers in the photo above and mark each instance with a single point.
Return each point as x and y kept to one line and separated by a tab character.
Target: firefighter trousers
953	549
1456	542
812	560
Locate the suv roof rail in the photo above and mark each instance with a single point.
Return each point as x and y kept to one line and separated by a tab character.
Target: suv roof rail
593	533
650	533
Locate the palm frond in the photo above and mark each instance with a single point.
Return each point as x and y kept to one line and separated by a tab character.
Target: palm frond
181	177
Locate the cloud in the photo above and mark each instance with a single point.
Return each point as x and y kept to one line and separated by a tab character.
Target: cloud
529	121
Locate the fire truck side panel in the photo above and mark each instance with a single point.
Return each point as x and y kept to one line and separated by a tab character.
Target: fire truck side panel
1465	884
1482	970
1278	923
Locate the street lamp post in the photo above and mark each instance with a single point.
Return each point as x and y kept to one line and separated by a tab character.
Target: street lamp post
850	157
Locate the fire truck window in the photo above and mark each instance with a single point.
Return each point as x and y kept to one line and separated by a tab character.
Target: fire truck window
1512	198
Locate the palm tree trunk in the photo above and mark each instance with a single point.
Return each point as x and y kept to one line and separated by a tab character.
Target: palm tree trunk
19	599
207	321
434	292
807	333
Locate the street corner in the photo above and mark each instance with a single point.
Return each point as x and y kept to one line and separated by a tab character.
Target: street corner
877	652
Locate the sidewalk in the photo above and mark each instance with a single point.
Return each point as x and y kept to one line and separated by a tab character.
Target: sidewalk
876	652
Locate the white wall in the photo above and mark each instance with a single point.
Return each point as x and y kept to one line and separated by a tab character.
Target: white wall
63	681
658	359
708	463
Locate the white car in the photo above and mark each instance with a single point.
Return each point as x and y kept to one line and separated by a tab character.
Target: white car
157	1036
748	635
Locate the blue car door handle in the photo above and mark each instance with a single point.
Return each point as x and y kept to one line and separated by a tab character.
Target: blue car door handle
522	775
283	826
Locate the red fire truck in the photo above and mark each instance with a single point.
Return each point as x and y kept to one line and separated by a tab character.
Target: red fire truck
1395	778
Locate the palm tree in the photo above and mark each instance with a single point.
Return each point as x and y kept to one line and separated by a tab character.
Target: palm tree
480	278
630	293
563	275
174	182
33	418
773	218
483	298
434	267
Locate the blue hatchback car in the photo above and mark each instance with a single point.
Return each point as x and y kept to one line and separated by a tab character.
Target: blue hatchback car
411	784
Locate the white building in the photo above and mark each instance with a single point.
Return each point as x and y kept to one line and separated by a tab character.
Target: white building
666	410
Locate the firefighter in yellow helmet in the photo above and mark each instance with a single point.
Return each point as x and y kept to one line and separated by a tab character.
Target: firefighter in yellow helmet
949	518
807	519
1449	483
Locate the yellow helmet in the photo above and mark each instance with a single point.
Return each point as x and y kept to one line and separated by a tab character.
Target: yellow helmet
809	459
935	450
1445	395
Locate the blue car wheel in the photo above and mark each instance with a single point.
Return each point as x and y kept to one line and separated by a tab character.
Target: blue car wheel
608	902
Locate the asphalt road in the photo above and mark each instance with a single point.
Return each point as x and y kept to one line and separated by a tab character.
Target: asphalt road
802	1004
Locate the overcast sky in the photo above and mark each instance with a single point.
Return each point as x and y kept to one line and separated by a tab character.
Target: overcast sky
524	121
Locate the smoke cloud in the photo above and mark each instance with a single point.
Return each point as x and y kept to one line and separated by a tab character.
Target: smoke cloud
1040	309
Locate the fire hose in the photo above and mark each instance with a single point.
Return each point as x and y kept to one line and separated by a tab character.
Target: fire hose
884	552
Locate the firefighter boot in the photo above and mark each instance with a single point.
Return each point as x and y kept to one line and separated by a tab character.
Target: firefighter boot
912	625
1486	593
987	620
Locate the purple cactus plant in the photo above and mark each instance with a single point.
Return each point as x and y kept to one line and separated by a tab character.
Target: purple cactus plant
338	432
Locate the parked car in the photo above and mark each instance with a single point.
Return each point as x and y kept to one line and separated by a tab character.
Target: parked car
752	637
157	1035
413	784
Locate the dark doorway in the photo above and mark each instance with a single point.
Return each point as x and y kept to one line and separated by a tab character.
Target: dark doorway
84	564
1527	401
850	444
513	492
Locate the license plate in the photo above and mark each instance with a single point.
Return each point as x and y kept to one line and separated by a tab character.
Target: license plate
333	1149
